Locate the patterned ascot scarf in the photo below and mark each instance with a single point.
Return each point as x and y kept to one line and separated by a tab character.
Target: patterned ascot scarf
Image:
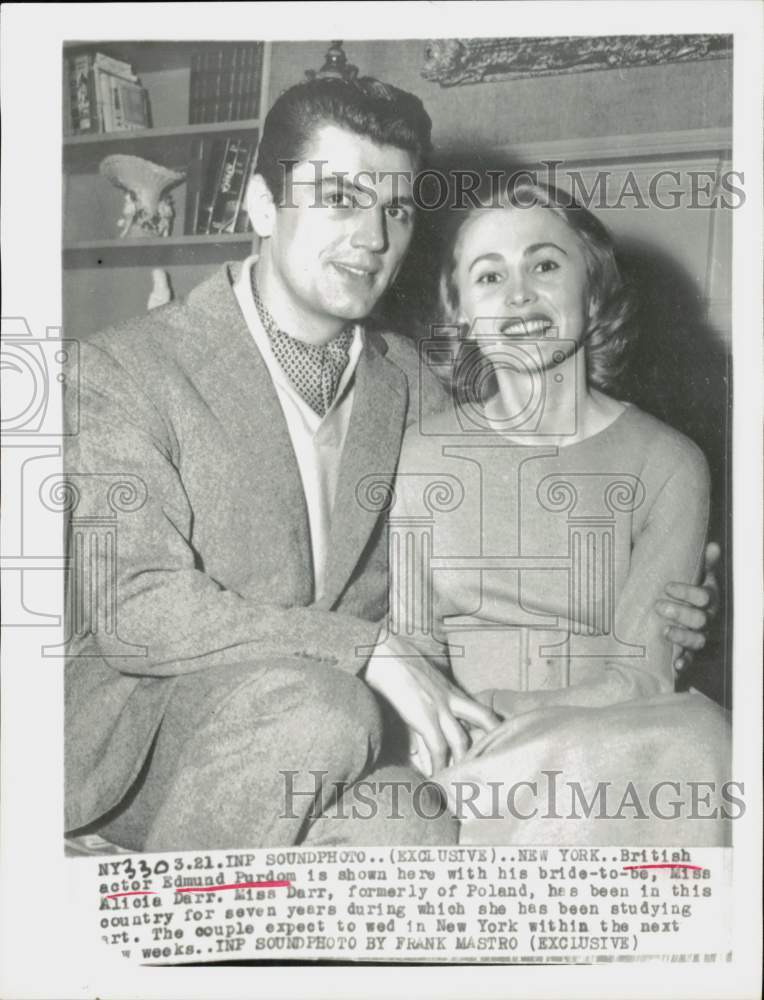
314	370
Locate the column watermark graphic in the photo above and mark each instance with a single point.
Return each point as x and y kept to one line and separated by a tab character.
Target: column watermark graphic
92	504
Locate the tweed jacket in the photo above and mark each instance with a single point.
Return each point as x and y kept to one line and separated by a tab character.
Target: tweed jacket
211	556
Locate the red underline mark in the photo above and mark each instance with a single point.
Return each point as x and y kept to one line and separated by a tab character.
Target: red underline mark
235	885
138	893
630	868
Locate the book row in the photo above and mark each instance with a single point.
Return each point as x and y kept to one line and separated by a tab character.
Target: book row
225	82
217	180
102	94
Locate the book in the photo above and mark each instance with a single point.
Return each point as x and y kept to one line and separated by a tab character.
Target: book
212	171
253	82
103	100
122	104
105	95
194	87
241	218
116	66
84	105
129	104
229	188
66	97
222	85
194	181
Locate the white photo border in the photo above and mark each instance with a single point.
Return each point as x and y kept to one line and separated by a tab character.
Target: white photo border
45	945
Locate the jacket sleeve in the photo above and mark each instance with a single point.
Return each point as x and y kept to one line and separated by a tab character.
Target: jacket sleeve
174	616
434	394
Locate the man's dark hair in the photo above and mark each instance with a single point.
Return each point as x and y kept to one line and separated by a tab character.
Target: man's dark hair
379	112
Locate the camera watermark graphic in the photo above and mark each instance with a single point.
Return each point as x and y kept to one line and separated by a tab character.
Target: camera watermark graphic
472	360
29	365
44	505
34	369
32	545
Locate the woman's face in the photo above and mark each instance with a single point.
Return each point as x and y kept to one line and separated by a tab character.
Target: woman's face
521	272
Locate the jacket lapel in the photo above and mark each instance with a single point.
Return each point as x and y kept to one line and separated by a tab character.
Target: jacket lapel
372	448
235	381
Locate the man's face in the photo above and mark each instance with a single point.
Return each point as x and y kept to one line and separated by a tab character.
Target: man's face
337	243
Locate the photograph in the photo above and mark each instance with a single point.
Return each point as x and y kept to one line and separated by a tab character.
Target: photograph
567	463
387	463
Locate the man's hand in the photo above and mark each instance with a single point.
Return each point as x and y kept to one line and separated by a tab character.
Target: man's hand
161	291
690	609
427	702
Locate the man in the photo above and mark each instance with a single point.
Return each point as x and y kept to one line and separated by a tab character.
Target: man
250	583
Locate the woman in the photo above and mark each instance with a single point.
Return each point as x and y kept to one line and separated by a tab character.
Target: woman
537	525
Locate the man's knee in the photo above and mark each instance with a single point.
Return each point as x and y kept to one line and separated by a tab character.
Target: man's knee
341	710
390	806
345	697
320	709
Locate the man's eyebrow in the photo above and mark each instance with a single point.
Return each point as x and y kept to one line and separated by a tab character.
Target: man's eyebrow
402	199
340	180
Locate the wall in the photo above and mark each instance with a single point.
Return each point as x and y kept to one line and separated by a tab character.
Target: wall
612	102
471	124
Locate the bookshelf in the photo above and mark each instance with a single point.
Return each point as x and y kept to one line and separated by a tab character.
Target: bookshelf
92	205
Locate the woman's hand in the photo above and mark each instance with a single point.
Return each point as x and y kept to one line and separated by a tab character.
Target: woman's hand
689	610
427	702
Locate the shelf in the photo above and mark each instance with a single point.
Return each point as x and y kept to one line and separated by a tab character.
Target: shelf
92	206
147	134
173	143
156	251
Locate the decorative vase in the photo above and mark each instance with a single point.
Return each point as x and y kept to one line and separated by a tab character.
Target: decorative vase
148	208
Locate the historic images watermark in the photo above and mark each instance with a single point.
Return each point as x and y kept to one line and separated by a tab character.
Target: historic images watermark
557	797
432	189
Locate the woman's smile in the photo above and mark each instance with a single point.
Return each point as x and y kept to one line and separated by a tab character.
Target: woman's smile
526	326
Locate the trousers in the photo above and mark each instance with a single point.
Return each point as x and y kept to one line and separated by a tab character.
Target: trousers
272	753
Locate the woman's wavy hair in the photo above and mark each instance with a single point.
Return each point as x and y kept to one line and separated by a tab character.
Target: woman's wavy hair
611	331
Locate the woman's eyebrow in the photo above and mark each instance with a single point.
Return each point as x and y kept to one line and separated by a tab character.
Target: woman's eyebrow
542	246
493	257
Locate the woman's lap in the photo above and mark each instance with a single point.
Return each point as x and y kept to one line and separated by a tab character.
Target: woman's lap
642	772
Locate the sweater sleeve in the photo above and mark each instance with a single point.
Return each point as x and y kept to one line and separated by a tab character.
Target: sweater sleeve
185	619
667	547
